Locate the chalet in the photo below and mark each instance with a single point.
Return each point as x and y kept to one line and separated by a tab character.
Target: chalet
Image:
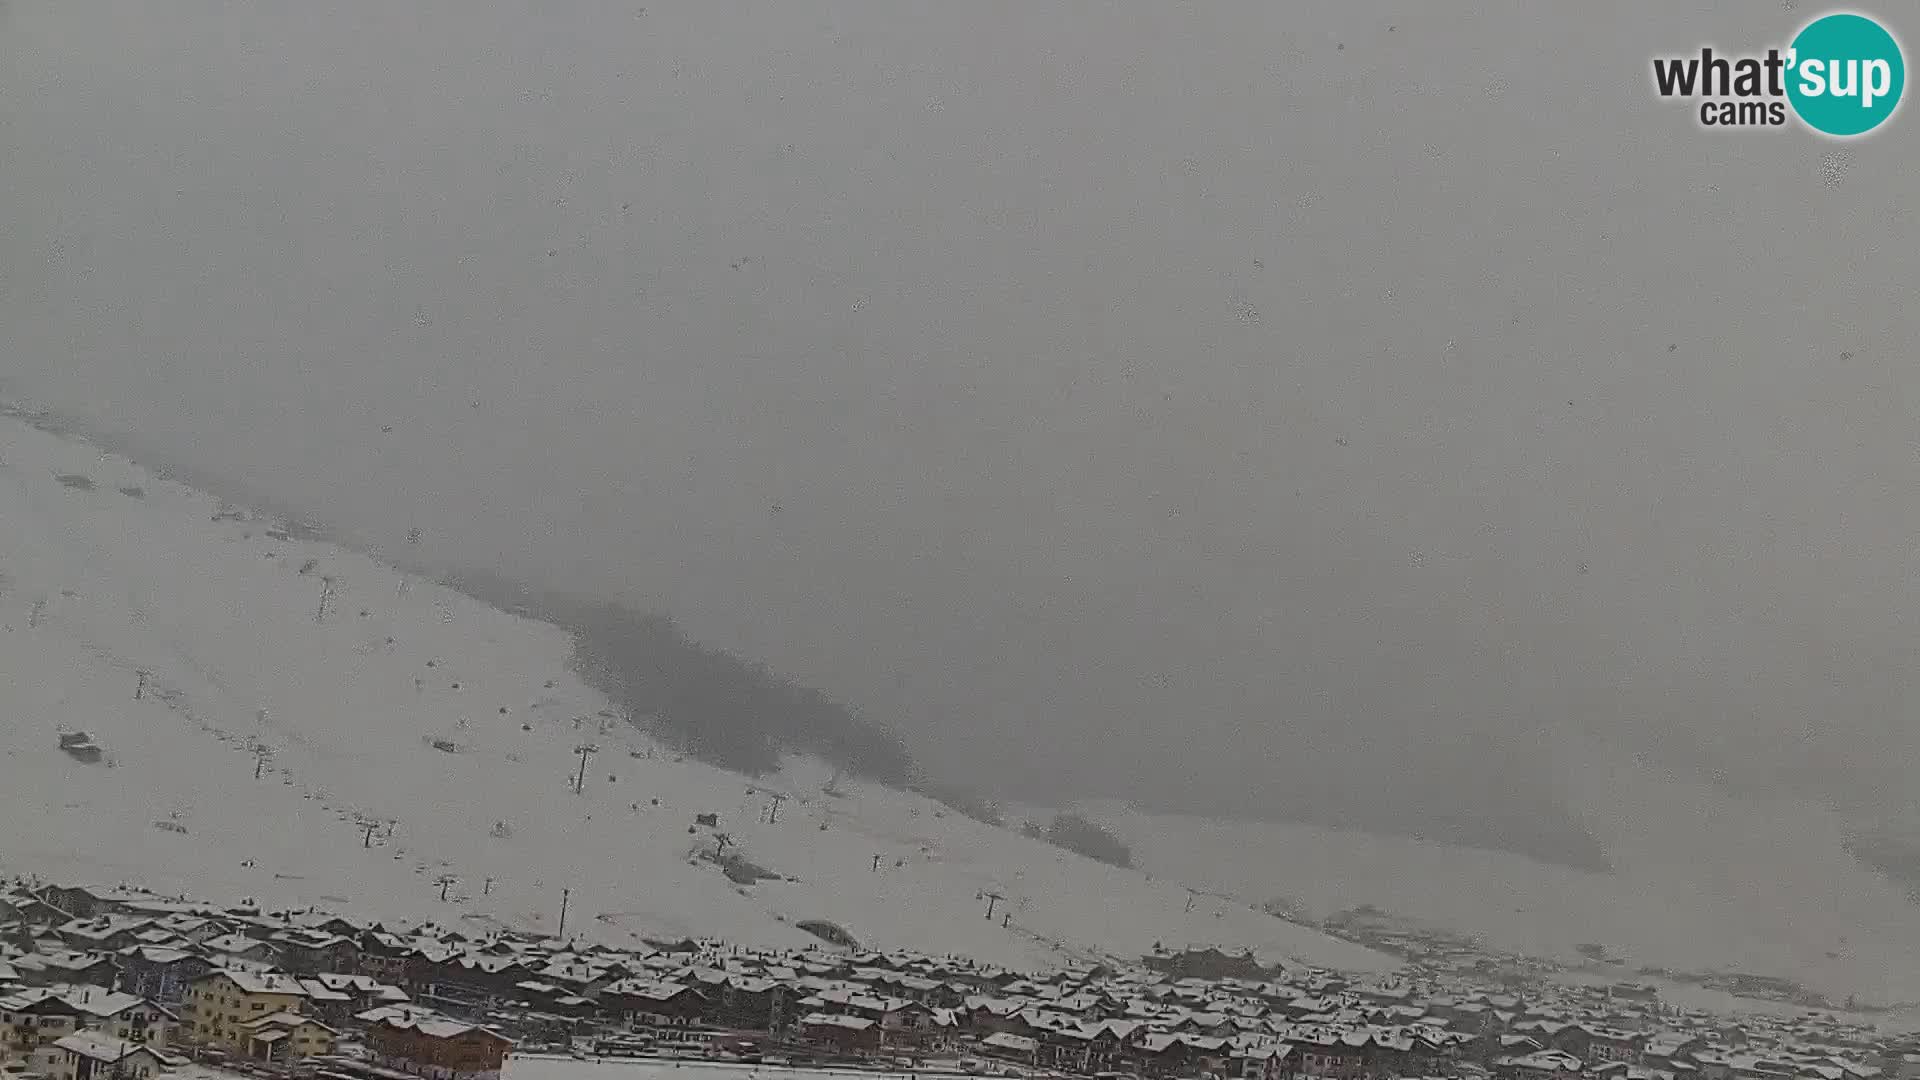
553	1000
900	1020
850	1035
62	967
1162	1053
361	991
1083	1004
1086	1048
325	1004
304	952
456	975
122	1016
930	992
991	1015
747	1001
87	1055
654	1004
1667	1050
575	974
435	1047
31	911
160	974
384	956
1269	1061
1215	1024
191	928
1326	1052
103	933
1015	1048
30	1019
1210	1054
1415	1051
242	946
285	1037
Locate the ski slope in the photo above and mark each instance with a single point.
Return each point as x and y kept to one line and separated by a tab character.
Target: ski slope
263	698
222	610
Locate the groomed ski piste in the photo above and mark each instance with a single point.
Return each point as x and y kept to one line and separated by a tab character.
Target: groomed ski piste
285	720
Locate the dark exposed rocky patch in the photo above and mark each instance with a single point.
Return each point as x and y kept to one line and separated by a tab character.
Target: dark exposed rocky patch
831	933
1083	837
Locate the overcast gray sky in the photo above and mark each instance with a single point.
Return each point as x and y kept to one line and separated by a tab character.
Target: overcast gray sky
1210	403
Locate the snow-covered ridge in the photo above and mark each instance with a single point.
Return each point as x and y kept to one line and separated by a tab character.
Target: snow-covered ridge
284	718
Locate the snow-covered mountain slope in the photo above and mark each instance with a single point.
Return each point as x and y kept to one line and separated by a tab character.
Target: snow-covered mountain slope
107	572
1702	880
186	637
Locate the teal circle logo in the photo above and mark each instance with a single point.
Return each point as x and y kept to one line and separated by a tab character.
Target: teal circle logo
1847	74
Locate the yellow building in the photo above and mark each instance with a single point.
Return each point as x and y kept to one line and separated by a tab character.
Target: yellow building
223	1005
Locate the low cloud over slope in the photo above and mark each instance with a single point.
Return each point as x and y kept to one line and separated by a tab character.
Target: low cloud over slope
285	719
